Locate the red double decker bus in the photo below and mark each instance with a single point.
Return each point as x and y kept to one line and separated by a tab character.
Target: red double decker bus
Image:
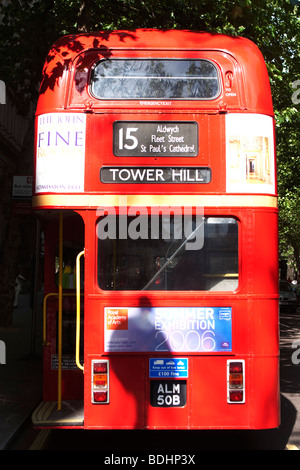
155	182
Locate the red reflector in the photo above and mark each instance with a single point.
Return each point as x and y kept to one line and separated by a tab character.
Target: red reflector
235	367
236	395
100	367
236	381
100	397
100	381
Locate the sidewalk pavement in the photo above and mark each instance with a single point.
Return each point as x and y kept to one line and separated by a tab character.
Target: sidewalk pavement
21	374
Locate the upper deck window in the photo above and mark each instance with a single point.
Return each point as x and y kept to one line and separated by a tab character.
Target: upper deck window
120	79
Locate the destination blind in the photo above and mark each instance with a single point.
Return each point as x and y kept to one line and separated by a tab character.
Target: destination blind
200	175
152	139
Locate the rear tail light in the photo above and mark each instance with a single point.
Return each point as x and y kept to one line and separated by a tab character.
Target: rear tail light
100	381
236	381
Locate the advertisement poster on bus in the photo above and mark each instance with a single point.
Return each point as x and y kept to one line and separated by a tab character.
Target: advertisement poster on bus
174	329
60	153
250	154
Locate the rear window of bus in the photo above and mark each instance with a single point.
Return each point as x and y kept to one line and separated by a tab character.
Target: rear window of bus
121	79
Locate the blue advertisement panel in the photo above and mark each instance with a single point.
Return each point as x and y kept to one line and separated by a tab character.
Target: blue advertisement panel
173	329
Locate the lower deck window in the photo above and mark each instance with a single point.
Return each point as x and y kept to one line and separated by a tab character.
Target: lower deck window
167	258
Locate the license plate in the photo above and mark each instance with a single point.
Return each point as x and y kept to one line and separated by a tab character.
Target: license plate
167	393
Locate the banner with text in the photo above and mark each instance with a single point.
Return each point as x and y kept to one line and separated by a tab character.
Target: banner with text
175	329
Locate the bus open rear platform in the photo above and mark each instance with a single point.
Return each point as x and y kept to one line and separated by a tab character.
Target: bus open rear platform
70	414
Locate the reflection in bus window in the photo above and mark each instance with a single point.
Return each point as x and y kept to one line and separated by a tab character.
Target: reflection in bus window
155	79
165	263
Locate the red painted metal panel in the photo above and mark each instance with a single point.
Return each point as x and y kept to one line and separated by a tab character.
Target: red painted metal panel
244	56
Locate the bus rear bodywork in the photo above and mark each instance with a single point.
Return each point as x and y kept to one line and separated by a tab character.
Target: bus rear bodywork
155	162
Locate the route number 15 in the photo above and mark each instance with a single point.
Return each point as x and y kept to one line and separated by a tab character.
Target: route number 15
129	141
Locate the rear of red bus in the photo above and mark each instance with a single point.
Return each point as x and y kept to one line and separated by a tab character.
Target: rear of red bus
157	151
